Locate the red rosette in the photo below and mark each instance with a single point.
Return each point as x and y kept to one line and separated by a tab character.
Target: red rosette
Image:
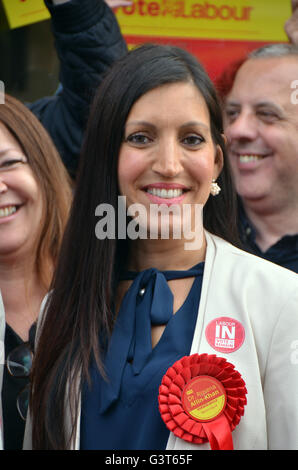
202	398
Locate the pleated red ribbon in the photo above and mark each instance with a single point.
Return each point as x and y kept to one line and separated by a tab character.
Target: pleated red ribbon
177	384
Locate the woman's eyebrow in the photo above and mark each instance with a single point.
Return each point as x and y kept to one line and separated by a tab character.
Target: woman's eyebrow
150	124
10	149
5	151
195	123
139	123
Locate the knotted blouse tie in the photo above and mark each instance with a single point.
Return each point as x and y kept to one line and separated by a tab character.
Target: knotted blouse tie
148	301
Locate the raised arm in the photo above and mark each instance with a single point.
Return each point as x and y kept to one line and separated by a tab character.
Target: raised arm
88	40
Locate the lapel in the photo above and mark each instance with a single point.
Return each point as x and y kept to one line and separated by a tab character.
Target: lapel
174	442
216	302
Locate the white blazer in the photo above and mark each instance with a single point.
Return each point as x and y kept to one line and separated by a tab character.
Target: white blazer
263	298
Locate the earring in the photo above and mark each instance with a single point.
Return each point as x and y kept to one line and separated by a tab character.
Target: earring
215	189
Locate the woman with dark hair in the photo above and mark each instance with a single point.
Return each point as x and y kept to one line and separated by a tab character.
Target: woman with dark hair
35	196
151	341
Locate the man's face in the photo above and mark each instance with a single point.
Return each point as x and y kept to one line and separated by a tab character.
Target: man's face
261	125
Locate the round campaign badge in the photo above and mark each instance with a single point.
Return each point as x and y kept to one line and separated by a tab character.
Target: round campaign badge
224	334
204	398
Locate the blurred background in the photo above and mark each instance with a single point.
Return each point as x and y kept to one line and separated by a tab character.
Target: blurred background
218	32
29	65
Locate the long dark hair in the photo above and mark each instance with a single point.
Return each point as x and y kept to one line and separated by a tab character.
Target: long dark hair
79	307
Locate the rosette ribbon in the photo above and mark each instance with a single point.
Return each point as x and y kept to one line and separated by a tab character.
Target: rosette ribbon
177	384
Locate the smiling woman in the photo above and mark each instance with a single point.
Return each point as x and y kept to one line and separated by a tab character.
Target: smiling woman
20	204
168	155
29	159
35	197
129	333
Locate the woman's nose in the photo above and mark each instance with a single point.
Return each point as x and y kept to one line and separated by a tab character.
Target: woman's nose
168	161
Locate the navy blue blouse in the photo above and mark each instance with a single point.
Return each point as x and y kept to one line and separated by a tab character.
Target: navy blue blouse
122	413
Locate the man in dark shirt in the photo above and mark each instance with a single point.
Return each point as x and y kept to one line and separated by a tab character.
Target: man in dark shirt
261	125
284	252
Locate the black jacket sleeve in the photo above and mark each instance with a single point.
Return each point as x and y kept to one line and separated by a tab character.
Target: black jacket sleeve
88	40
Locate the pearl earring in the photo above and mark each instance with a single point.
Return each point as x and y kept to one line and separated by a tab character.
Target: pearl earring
215	189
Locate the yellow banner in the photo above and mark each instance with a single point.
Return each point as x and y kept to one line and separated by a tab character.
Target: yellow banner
23	12
255	20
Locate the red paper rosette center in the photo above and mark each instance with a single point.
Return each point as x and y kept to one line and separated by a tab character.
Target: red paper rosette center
190	407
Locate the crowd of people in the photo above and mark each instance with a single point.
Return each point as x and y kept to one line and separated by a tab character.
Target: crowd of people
121	331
